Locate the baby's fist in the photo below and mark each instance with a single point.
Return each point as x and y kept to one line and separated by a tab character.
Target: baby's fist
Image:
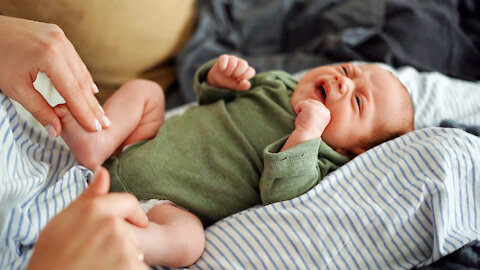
312	118
230	72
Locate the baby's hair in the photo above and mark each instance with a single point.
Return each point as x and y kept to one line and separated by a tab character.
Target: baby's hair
386	131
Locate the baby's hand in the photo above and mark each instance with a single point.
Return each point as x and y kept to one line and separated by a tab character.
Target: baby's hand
230	72
312	118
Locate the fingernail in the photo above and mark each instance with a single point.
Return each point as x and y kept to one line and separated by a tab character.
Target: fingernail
98	127
51	131
101	109
95	88
106	121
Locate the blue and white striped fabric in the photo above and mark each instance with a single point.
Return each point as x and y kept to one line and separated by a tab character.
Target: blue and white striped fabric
38	178
437	97
406	203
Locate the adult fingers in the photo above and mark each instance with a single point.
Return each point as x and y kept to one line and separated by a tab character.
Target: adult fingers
81	70
126	206
84	79
73	93
123	205
38	107
53	60
61	63
120	244
99	185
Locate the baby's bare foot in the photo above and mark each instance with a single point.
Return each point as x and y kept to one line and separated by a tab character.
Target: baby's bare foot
87	147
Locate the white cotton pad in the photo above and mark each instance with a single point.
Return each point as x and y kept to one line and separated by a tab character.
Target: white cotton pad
45	87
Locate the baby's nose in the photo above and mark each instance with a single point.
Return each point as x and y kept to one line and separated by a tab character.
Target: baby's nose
345	84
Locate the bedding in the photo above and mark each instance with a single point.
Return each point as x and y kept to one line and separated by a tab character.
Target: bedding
293	35
405	203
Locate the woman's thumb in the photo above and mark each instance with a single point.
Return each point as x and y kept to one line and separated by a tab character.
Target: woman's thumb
100	183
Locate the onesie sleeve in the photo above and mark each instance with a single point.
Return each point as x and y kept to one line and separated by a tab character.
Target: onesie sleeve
206	93
291	173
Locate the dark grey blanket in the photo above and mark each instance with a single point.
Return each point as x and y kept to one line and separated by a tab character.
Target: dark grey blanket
449	123
292	35
466	258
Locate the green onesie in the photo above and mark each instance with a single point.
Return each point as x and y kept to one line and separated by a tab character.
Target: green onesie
222	156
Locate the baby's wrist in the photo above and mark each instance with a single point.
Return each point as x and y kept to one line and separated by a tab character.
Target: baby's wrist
297	137
306	135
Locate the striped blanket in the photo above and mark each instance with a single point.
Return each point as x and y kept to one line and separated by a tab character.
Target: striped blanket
406	203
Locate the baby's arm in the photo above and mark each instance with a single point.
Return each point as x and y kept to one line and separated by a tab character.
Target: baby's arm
230	72
312	119
288	174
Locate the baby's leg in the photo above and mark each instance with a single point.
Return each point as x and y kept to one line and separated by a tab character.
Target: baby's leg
136	112
138	108
174	237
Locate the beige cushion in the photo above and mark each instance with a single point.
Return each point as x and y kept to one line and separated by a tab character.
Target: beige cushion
118	40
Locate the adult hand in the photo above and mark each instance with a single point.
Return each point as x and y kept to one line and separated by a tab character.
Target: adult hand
27	47
93	232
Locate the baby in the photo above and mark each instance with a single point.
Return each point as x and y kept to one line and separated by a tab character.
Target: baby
253	139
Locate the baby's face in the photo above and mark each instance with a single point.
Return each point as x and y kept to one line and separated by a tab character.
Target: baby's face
360	99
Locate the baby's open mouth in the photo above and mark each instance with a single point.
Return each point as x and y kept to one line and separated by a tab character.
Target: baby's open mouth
320	92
